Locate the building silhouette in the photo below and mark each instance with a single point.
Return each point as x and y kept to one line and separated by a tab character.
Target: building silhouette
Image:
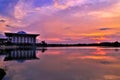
3	39
21	37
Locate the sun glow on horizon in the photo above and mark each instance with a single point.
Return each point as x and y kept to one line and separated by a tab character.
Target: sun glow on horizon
63	21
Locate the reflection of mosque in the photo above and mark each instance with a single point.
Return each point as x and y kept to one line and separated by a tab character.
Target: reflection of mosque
20	55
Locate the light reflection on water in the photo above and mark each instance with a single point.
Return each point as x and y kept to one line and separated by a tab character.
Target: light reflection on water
62	63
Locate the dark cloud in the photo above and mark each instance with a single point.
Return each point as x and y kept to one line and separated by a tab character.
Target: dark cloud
67	28
2	21
10	26
105	29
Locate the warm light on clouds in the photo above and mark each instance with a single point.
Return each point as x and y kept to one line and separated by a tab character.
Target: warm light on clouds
64	21
19	10
63	4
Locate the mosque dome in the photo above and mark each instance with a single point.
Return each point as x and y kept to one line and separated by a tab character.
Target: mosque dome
21	32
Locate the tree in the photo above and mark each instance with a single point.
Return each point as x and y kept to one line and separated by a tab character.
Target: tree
43	43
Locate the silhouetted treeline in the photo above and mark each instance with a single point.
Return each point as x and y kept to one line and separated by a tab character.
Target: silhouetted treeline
107	44
44	44
113	44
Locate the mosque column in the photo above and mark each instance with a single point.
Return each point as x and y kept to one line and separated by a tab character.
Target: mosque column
13	39
32	40
24	39
28	39
21	39
17	39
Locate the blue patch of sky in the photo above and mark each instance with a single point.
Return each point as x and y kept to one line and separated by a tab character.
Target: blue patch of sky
7	7
40	3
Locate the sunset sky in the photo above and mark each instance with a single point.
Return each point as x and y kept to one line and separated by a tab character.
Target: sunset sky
63	21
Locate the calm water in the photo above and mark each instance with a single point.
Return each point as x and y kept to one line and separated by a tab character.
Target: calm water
82	63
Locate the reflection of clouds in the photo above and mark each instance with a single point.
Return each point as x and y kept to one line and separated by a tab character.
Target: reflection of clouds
98	57
69	64
38	54
19	77
99	51
14	72
111	77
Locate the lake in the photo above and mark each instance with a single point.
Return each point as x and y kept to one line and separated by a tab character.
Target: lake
62	63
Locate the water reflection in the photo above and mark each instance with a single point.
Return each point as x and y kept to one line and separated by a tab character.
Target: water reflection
20	55
62	64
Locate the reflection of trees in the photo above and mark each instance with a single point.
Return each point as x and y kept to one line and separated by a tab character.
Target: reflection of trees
43	49
116	50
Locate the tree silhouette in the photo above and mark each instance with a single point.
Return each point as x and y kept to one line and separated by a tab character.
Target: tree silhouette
43	43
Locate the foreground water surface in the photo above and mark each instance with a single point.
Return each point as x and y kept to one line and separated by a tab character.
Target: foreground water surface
73	63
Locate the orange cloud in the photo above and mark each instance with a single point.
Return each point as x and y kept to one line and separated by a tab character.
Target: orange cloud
99	39
68	20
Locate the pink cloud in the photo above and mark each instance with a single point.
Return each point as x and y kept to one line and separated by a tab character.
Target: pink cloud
67	20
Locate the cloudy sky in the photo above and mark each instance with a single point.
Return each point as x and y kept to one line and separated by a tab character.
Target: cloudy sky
63	21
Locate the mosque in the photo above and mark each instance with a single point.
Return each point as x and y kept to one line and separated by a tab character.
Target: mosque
20	37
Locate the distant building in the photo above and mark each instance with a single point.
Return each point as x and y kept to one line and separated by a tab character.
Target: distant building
21	37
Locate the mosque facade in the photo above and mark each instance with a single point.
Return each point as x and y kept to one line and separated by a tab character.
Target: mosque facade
21	37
